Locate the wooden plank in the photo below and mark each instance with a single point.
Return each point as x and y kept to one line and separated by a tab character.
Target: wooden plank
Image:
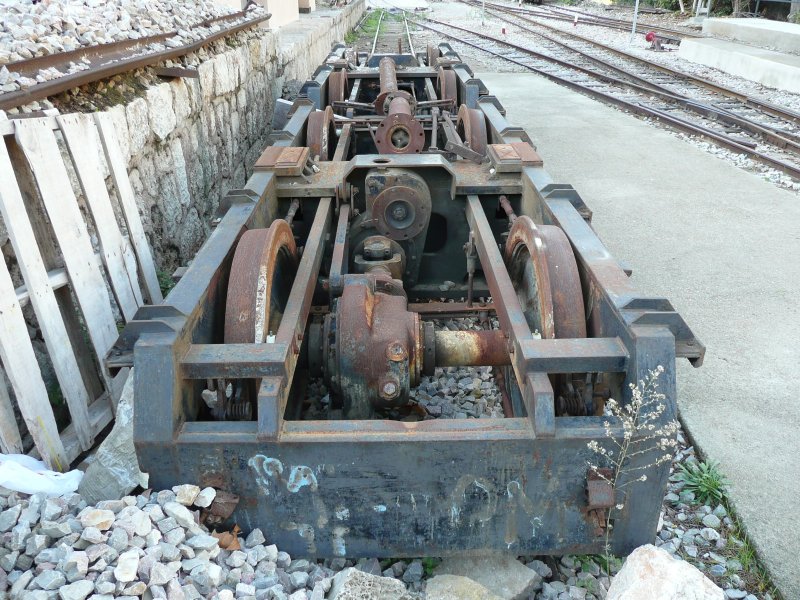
39	144
130	210
57	277
18	358
10	440
79	133
46	307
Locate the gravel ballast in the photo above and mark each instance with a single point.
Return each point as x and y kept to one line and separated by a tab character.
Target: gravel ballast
152	546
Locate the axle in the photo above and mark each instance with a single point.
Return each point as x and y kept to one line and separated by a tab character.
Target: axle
374	350
399	132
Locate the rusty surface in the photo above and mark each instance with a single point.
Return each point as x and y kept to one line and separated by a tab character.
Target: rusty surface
284	161
527	266
388	90
506	206
320	133
374	350
338	89
471	126
251	312
500	380
432	55
441	309
447	85
569	315
471	349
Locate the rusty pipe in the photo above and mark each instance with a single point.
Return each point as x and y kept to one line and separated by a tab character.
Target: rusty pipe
399	106
388	75
506	206
471	349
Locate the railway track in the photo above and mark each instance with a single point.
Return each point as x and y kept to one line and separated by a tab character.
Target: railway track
765	132
567	13
106	60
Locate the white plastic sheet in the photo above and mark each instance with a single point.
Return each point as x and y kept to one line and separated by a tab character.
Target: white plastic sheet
24	474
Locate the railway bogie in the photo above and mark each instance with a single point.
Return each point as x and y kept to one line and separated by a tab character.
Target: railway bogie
395	192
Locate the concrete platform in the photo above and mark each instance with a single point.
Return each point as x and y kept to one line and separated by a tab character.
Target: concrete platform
722	245
761	32
767	67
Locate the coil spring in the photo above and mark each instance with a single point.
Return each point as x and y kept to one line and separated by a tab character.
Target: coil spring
239	411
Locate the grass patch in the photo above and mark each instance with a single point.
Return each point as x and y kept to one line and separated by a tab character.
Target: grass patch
705	481
165	282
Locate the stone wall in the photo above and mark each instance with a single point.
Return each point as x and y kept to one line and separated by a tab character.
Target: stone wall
190	140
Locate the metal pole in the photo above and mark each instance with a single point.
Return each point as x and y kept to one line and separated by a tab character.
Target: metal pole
483	12
633	27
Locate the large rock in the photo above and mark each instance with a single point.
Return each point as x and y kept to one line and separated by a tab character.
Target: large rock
115	471
455	587
498	572
352	584
651	573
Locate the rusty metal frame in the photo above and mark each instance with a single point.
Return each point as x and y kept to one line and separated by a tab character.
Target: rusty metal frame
393	488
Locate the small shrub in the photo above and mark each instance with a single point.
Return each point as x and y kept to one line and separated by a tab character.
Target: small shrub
165	282
705	480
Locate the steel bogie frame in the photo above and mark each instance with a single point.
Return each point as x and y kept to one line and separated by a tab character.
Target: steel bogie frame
383	487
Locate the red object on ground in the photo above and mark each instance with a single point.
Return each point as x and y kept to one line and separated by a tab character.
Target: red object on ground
650	36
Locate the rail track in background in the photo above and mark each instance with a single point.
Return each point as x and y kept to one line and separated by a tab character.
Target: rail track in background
765	132
567	13
107	60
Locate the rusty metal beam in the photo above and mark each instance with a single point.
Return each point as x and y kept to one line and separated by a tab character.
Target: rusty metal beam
234	361
578	355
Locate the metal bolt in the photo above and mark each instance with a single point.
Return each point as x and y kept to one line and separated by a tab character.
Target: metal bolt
400	212
389	389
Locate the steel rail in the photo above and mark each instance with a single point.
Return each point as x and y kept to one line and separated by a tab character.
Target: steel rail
638	108
598	20
767	107
408	34
377	32
106	70
106	52
624	22
773	136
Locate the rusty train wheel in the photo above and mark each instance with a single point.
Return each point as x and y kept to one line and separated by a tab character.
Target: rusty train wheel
338	89
545	275
447	85
262	272
320	133
471	126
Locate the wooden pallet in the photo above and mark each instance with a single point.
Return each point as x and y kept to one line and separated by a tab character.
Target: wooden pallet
81	276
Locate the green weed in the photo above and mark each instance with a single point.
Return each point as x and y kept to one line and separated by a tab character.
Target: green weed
705	480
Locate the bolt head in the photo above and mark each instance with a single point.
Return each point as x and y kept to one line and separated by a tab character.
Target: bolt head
399	212
389	389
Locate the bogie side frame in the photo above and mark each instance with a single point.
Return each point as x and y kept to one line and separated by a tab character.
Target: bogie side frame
379	487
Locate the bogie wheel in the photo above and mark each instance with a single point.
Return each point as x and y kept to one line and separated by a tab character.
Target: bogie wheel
262	272
471	126
447	85
545	275
321	133
338	88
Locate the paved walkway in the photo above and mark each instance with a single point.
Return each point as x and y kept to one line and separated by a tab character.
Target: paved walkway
724	246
